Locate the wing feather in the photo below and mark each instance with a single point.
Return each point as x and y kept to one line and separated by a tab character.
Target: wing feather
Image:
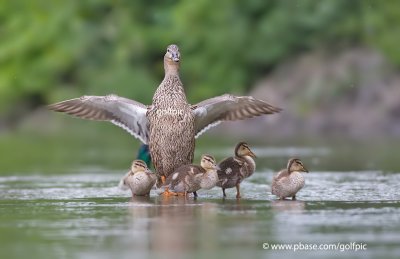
228	107
125	113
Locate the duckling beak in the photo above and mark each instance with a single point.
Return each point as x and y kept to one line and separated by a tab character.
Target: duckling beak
305	170
252	154
217	167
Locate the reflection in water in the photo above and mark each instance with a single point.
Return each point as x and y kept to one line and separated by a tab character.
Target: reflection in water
85	216
235	205
172	225
288	205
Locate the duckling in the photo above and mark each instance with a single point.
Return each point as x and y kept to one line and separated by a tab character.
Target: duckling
169	125
139	179
236	168
289	181
191	178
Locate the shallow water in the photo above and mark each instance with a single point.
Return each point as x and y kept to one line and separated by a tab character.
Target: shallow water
84	215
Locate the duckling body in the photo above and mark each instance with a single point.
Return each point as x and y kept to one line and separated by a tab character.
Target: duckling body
139	179
233	170
191	178
170	124
287	182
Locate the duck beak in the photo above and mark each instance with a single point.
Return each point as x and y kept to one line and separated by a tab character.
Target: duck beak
175	57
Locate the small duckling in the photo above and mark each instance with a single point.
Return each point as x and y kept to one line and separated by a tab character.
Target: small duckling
236	168
289	181
139	179
191	178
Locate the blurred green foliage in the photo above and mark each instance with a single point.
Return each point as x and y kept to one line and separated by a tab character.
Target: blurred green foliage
52	50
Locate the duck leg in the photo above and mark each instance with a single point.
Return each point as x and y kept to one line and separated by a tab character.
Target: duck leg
163	179
294	197
223	192
167	192
238	191
195	194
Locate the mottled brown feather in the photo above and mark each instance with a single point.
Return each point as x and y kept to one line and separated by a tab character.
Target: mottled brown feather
183	171
282	174
235	177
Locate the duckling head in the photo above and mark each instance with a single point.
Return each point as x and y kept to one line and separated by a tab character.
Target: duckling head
295	164
242	149
208	162
139	166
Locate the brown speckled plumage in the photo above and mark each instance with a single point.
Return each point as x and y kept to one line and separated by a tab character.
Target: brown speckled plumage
191	178
170	124
289	181
139	179
171	121
234	169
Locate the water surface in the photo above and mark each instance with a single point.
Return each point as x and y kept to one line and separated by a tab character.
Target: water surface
84	215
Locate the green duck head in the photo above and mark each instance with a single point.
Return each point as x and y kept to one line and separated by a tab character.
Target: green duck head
144	154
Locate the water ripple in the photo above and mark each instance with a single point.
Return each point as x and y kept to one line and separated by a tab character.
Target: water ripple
320	186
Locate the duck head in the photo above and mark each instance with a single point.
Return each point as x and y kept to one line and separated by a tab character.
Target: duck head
295	164
173	53
242	149
171	59
208	162
144	154
139	166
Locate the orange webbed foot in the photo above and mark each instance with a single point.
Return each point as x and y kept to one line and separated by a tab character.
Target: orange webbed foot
168	193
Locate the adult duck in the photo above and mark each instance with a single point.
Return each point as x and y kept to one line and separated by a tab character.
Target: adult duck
170	124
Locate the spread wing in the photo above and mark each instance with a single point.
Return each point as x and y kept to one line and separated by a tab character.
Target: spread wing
211	112
125	113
